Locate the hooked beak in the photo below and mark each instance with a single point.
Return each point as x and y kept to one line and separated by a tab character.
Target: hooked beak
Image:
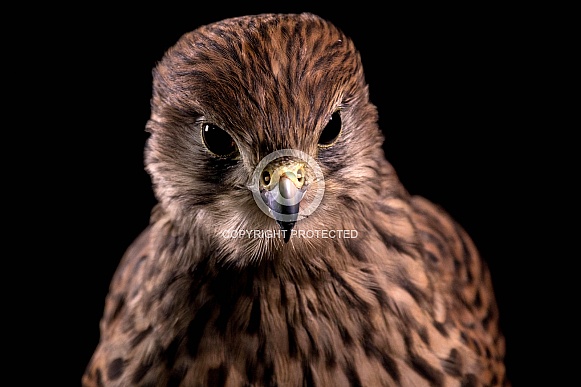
282	189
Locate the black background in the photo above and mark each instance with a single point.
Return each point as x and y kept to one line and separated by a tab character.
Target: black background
449	84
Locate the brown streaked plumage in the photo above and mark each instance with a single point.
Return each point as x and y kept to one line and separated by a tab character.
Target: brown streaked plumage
400	299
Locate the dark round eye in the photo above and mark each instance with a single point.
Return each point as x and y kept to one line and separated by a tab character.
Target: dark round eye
331	131
217	140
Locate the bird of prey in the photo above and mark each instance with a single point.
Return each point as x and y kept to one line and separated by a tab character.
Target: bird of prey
282	249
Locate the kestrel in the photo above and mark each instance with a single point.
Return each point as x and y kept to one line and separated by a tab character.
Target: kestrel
283	250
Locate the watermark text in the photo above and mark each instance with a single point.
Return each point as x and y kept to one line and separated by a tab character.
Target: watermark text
323	234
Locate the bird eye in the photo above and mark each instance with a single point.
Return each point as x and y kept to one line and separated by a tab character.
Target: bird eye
217	140
331	131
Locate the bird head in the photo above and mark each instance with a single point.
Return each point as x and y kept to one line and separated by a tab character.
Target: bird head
261	126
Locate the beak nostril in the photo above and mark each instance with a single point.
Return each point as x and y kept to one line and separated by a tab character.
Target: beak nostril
300	175
266	177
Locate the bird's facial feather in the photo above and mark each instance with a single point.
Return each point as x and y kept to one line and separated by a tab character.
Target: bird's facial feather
229	94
